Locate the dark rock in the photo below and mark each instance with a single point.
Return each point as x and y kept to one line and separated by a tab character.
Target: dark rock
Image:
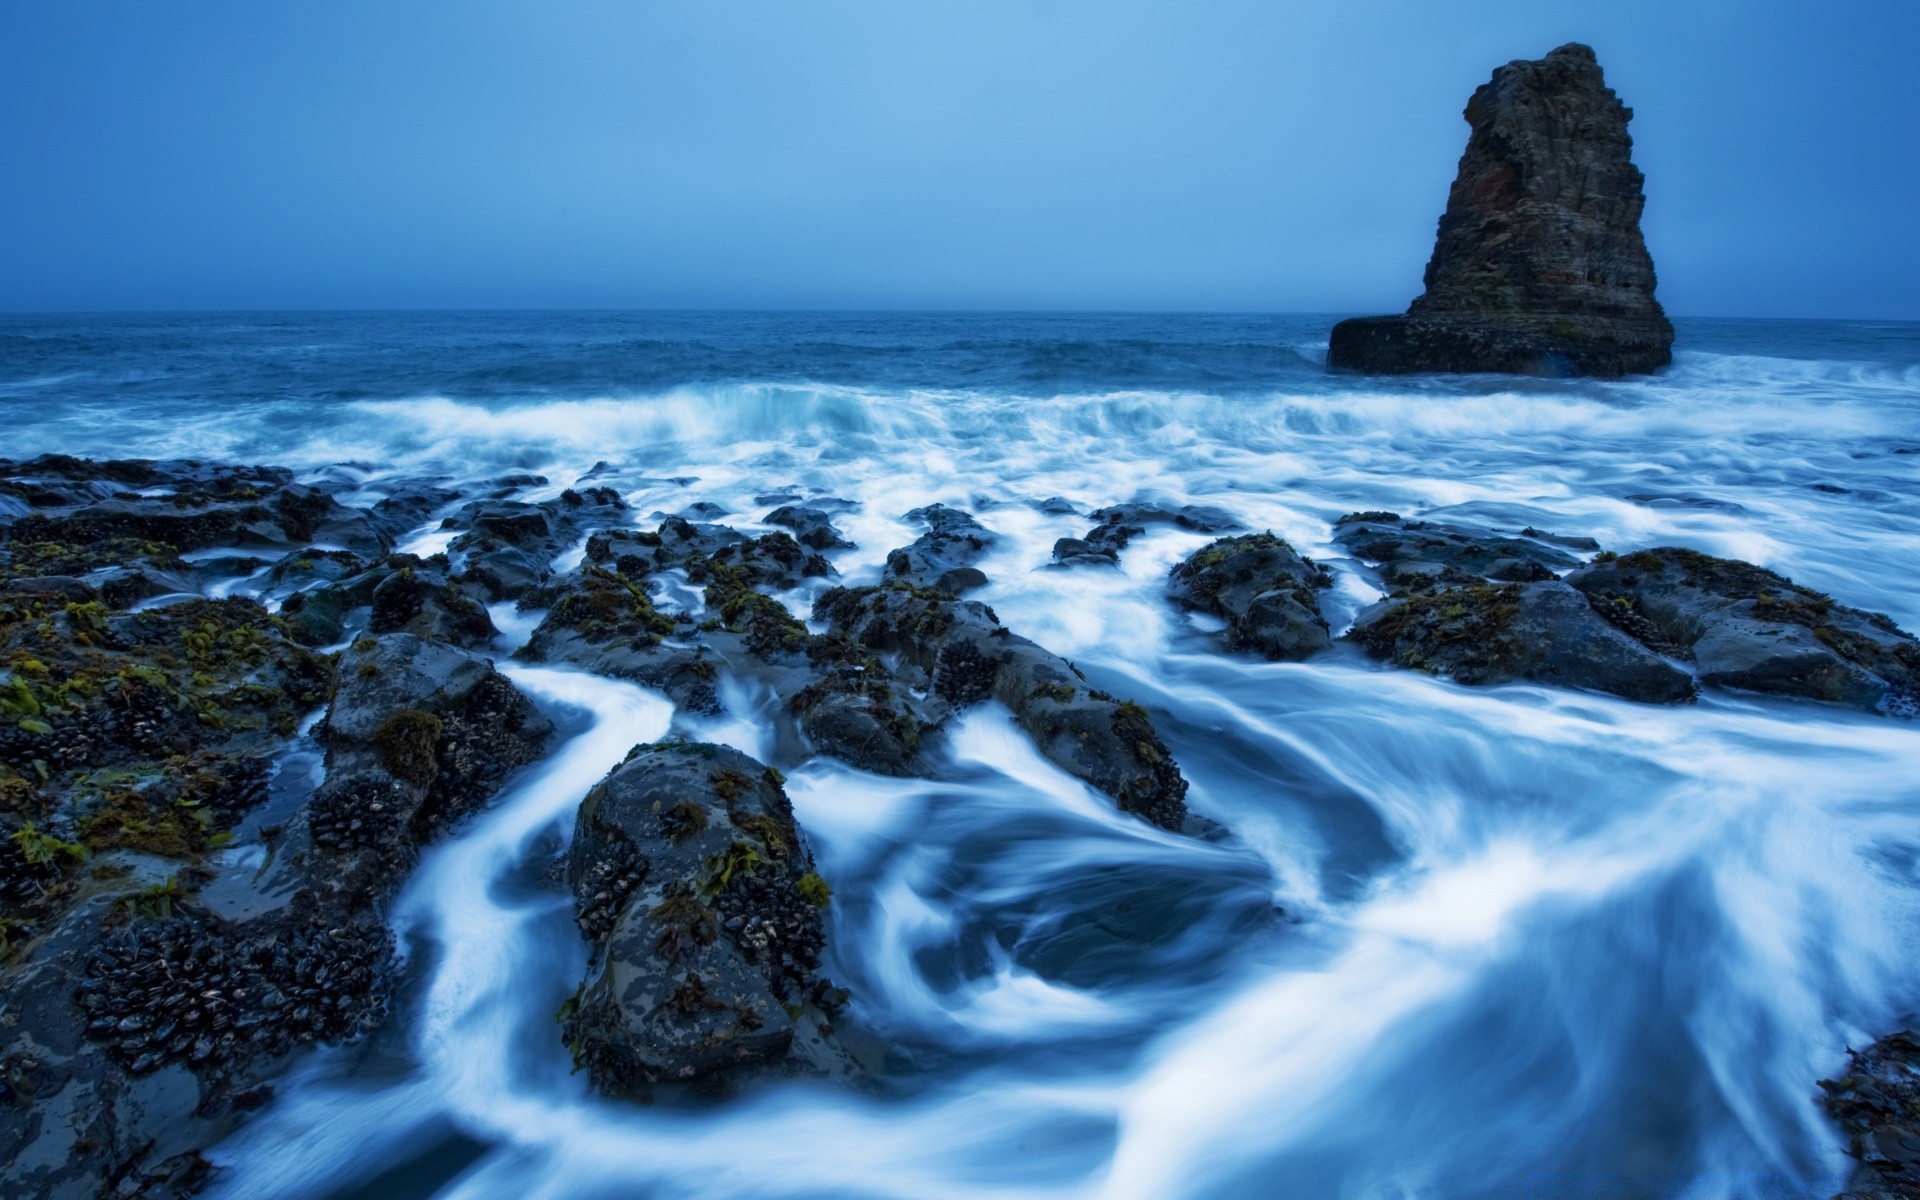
1121	523
194	506
691	881
420	734
1413	553
1876	1103
507	547
1485	633
1539	267
1262	588
1749	628
961	653
603	621
942	558
1483	608
811	527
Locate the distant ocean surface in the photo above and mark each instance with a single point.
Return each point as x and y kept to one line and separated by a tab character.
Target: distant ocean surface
1463	941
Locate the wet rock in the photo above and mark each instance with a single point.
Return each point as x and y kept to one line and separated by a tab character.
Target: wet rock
811	527
858	712
604	621
1746	627
507	547
959	651
409	507
692	883
1539	267
1121	523
1412	554
181	505
420	734
1488	633
423	601
1877	1106
942	558
1263	589
1484	608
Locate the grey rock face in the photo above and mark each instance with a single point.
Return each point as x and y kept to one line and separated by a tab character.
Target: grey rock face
1746	627
1539	267
699	898
1262	588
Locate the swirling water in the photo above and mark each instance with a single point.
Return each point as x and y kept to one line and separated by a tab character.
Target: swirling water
1463	943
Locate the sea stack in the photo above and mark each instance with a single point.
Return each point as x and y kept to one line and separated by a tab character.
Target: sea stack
1539	267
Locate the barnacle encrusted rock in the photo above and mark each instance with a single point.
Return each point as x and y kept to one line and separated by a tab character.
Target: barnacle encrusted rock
1539	267
691	881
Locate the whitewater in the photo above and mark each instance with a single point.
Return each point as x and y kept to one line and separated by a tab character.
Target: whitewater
1462	942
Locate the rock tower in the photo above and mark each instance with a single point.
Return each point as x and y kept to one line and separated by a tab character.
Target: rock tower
1539	267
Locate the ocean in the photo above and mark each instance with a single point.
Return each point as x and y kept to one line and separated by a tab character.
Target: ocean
1463	942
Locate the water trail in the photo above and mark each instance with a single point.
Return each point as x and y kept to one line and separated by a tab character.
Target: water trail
1460	937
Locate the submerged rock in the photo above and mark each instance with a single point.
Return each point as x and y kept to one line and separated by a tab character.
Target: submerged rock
1482	608
1746	627
1262	588
691	882
1539	267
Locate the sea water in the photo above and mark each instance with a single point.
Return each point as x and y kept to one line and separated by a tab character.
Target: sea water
1492	942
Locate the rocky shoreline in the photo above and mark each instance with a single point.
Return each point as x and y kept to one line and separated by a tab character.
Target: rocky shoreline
232	717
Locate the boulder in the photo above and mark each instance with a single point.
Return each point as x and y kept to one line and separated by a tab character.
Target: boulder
943	558
1484	608
699	899
1262	588
506	548
811	527
1539	267
1121	523
958	651
1749	628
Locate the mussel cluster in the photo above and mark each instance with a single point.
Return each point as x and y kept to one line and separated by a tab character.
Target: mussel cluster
175	991
962	675
22	880
607	886
479	745
360	813
764	915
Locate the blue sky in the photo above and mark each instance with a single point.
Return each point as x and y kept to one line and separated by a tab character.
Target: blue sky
1183	154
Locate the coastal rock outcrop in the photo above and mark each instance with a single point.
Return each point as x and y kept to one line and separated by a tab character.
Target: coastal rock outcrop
1539	267
699	898
962	655
1485	609
1262	588
943	557
1749	628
